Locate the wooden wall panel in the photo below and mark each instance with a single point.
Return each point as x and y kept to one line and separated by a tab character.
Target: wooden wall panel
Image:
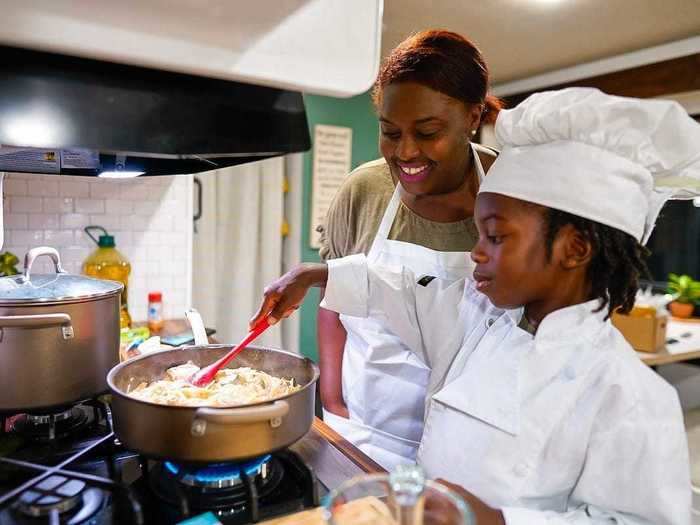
652	80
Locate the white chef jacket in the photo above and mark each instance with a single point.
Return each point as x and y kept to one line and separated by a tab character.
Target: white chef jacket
564	427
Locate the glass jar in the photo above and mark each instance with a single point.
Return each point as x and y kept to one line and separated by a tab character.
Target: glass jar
403	497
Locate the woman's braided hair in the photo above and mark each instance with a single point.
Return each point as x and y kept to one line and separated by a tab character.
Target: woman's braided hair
618	261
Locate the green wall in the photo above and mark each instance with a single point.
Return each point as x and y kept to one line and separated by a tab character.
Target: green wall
356	113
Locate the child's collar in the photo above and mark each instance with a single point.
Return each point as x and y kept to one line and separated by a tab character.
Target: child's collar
577	320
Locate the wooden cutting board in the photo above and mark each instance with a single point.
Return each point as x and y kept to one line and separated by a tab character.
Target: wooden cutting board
363	511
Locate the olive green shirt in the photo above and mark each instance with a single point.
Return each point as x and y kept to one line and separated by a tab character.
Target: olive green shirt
357	210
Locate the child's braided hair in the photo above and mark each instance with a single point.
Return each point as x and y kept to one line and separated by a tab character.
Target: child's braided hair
618	261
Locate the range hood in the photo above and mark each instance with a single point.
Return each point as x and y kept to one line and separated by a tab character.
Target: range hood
125	88
85	117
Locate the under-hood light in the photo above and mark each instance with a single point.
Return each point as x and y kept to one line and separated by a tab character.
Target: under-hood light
120	174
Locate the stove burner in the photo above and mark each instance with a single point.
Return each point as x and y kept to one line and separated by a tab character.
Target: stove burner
227	489
49	427
219	475
36	419
55	493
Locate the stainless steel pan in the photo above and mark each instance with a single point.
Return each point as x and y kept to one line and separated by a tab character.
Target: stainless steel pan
197	434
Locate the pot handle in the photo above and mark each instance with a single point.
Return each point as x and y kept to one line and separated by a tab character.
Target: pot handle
38	321
38	252
273	412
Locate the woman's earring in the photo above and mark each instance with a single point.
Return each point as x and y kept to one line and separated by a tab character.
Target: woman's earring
473	132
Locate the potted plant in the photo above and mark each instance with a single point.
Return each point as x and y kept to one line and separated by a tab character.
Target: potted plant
685	291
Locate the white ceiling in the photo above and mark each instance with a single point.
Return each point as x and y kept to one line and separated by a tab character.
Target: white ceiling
523	38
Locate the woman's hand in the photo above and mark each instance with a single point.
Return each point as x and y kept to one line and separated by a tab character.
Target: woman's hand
283	296
484	514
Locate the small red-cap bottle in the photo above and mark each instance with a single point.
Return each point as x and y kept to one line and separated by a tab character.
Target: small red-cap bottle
155	311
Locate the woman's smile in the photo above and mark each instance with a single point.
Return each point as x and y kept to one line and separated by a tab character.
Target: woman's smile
412	172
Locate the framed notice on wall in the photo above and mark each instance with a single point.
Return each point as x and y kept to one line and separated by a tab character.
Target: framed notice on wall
332	154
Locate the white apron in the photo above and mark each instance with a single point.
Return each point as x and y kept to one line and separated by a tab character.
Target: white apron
384	384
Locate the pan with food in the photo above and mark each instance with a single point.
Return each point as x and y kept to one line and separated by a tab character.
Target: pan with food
263	401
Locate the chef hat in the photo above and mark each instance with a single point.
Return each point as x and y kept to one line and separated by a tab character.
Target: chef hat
614	160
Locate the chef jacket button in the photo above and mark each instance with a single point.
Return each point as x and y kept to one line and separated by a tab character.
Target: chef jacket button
521	470
490	322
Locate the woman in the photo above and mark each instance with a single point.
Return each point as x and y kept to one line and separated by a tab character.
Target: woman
412	208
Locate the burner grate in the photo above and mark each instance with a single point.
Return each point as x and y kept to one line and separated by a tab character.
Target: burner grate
270	486
89	478
49	491
49	427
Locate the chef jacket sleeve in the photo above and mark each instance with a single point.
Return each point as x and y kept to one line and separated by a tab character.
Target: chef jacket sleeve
421	315
636	472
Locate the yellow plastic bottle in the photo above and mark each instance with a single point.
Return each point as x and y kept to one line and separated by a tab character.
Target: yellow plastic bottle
106	262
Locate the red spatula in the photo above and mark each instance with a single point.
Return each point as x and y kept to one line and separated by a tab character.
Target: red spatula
206	374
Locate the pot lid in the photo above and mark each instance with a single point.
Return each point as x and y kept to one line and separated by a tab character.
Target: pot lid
59	286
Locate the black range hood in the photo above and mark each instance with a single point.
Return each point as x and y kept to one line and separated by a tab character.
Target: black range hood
78	116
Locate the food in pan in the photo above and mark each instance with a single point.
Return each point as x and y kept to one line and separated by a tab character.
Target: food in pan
231	387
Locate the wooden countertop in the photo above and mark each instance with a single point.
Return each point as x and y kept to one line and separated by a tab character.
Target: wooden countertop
333	458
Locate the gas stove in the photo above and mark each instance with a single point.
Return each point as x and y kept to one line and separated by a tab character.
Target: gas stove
69	468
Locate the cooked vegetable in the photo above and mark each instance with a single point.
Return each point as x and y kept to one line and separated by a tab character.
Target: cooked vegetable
231	387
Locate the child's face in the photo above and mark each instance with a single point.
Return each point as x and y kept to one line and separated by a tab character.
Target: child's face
512	268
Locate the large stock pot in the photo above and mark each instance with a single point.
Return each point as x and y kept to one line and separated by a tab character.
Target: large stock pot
59	336
203	434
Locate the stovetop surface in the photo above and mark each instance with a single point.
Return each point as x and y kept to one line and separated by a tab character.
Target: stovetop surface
87	477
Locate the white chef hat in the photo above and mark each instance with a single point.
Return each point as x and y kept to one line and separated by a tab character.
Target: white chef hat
614	160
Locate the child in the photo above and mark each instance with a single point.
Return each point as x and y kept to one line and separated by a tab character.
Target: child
537	406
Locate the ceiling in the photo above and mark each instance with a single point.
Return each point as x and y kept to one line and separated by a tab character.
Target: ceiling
523	38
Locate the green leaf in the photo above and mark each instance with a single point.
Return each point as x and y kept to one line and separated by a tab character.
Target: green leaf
8	260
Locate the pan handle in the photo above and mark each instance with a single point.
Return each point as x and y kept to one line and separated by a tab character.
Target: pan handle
273	412
38	321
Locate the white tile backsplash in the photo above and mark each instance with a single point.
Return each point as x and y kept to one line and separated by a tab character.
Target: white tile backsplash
89	205
150	219
118	207
41	221
70	188
15	187
26	204
16	221
44	188
58	204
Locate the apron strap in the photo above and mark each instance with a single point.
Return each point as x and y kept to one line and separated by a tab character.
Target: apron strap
387	221
477	163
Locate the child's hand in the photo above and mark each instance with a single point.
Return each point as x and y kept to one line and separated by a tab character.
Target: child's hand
283	296
484	514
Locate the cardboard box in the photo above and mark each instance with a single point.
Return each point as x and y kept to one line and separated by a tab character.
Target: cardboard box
642	328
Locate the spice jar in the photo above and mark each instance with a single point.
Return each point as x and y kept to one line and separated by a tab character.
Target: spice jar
155	311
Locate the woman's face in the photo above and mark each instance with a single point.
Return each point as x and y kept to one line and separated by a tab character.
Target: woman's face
424	137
